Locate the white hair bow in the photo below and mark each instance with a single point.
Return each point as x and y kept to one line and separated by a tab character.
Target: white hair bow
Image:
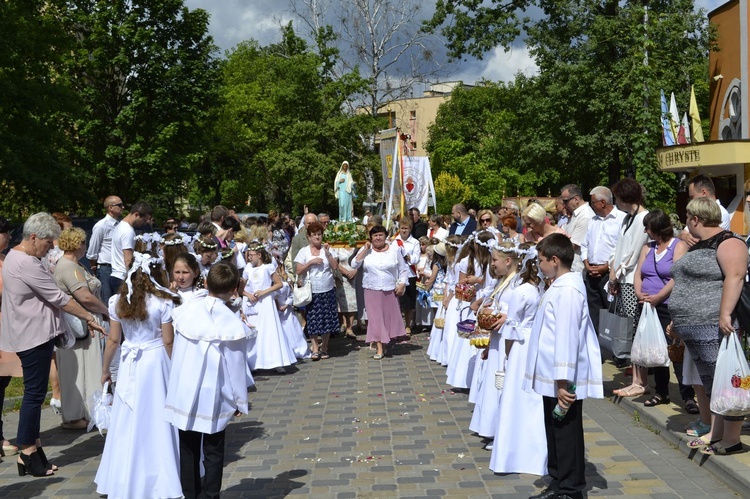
143	261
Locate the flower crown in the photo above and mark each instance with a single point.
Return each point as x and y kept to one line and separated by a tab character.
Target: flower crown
174	242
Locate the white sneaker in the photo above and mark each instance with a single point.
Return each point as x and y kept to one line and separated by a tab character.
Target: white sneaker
56	405
489	446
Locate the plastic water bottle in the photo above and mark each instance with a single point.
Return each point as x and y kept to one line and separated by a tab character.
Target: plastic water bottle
559	411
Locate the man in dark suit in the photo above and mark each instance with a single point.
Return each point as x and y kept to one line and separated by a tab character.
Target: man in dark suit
463	224
419	228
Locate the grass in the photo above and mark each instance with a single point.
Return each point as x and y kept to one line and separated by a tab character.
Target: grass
15	389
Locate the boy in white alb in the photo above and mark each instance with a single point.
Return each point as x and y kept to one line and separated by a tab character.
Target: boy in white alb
207	383
563	351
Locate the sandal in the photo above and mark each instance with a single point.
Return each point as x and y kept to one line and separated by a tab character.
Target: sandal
315	356
656	400
631	391
697	428
377	356
701	442
691	407
350	334
719	450
324	355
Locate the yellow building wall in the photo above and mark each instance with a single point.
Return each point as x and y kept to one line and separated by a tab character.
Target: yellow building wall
726	61
414	116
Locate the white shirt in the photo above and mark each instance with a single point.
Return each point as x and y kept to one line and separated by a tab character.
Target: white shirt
576	230
563	344
383	270
100	245
123	237
628	249
412	249
320	275
441	234
601	237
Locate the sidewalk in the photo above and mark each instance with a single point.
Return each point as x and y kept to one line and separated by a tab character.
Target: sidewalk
669	421
354	427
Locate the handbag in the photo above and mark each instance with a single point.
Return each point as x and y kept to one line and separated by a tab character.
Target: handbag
650	345
302	294
101	403
730	393
676	351
76	326
615	331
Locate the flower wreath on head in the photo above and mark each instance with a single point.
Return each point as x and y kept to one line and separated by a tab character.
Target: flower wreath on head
174	242
208	245
144	262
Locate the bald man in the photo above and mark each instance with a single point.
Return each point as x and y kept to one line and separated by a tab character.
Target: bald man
463	224
100	245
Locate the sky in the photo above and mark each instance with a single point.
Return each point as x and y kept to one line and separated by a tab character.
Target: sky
233	21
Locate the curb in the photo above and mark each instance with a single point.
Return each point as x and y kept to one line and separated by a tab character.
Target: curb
727	469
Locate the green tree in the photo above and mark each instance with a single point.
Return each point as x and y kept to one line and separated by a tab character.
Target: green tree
281	131
593	110
147	74
450	190
36	108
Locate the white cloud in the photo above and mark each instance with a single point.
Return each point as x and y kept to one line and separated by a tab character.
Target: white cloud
499	65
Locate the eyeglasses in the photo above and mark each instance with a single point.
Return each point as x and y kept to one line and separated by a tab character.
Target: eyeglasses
566	200
118	204
486	220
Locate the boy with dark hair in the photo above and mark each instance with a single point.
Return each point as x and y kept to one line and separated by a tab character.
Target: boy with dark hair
208	383
564	366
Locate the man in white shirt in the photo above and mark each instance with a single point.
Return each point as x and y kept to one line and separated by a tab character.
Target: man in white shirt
572	198
598	249
702	186
99	253
123	242
410	250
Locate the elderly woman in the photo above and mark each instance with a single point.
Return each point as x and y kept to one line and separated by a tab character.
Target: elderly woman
317	263
343	188
629	196
80	367
10	365
707	285
508	229
384	279
436	228
653	285
30	323
536	222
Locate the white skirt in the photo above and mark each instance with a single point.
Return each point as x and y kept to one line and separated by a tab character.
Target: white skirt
477	377
294	334
449	331
270	348
436	338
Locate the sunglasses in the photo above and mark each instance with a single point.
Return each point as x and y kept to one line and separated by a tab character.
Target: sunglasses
566	200
486	220
121	205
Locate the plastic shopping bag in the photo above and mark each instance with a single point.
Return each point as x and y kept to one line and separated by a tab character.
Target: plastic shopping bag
730	394
650	345
101	406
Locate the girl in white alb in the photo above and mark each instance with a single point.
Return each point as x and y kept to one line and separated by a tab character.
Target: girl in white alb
450	302
521	447
270	349
289	323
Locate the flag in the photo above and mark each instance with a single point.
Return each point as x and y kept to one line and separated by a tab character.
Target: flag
666	128
695	118
418	187
685	128
674	116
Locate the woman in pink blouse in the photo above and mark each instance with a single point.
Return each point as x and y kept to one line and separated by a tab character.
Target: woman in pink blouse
30	322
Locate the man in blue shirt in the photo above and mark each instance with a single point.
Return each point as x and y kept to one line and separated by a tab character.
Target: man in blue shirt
463	224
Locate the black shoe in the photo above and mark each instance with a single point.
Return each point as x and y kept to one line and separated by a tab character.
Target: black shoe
547	493
32	465
566	496
620	363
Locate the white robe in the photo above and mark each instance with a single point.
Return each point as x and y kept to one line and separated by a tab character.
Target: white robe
563	343
290	324
207	384
519	420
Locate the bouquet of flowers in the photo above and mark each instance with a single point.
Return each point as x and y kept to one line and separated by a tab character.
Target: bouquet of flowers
345	234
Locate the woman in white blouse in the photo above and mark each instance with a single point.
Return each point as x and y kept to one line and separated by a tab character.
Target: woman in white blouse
384	280
629	195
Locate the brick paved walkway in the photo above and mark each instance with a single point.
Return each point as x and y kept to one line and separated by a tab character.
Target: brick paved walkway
352	427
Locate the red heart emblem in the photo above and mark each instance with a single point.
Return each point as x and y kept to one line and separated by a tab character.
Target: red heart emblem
409	185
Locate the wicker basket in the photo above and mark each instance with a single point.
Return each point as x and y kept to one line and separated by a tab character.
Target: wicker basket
440	321
486	321
465	291
480	338
465	328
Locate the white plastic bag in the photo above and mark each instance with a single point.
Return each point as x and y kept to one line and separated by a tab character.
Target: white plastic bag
101	406
730	393
649	345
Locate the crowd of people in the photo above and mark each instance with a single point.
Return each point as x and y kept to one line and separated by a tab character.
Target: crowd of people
510	298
